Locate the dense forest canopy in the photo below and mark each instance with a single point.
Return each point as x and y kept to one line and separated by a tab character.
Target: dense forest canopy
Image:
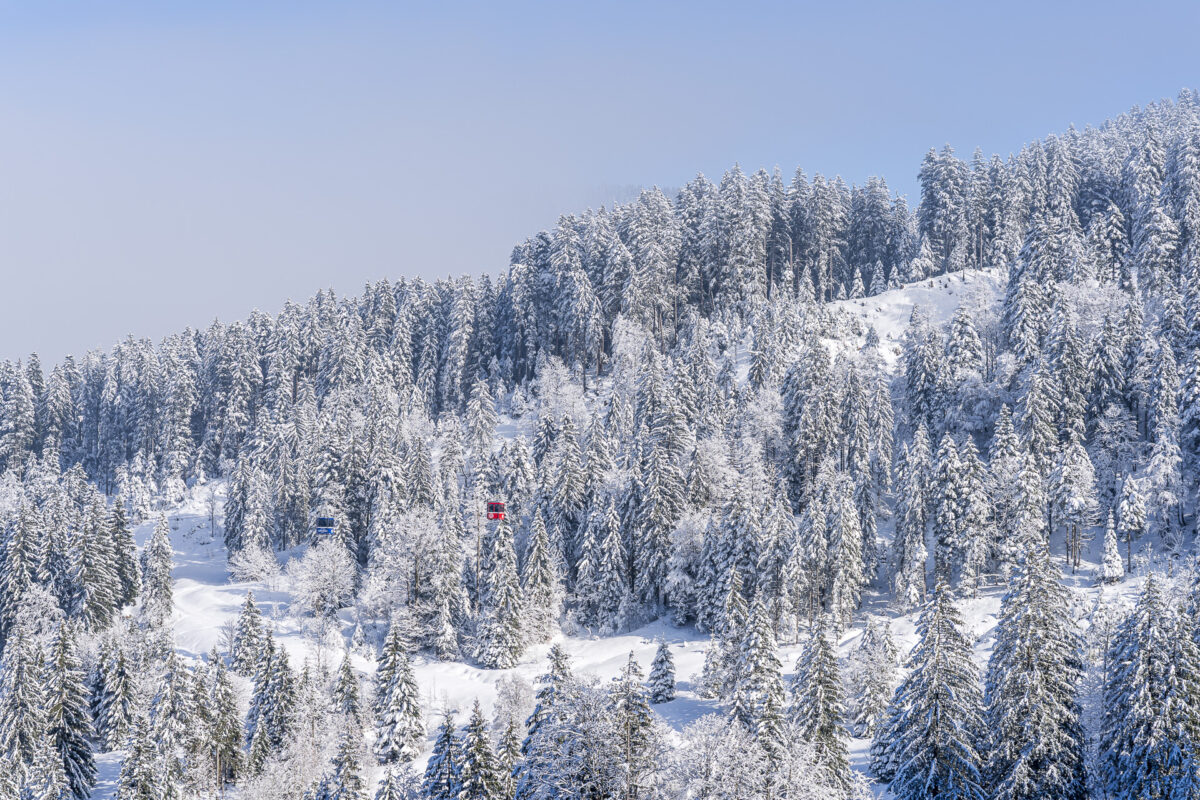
684	424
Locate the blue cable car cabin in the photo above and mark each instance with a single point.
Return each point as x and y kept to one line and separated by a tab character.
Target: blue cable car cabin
325	526
495	510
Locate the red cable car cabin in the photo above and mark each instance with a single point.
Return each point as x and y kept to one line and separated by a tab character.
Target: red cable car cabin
495	510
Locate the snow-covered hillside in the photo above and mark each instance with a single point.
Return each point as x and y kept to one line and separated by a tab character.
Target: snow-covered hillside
207	600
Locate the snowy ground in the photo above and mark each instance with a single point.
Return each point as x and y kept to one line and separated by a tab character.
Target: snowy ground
207	601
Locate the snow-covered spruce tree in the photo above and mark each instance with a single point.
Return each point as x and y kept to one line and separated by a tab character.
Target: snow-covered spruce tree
1112	568
112	696
346	782
1004	466
914	496
67	721
720	673
950	501
248	635
758	694
1037	745
499	639
140	778
399	727
846	537
508	756
930	746
662	675
602	582
272	700
222	745
157	561
443	772
347	696
1151	725
22	703
870	678
397	785
1131	516
635	727
540	743
541	586
815	711
1073	495
171	717
478	776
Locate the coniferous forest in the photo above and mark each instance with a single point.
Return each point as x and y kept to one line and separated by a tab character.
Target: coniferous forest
954	555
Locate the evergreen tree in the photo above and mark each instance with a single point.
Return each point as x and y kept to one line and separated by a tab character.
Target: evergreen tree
662	676
816	708
399	728
1112	568
443	772
931	742
68	725
113	697
157	561
1149	733
1037	744
912	520
22	702
139	778
870	678
1131	516
541	587
499	643
758	696
248	633
634	726
478	776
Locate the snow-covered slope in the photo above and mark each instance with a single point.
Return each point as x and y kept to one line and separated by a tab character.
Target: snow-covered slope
207	601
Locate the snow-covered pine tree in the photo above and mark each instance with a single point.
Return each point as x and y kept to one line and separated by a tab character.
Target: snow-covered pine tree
1131	516
224	737
949	524
1151	725
67	722
1073	495
914	496
720	674
22	703
816	710
499	639
443	772
347	697
634	724
247	641
930	746
662	675
555	685
171	713
157	562
399	727
397	785
1112	568
478	776
758	694
1037	744
346	782
139	778
541	586
113	696
845	591
870	678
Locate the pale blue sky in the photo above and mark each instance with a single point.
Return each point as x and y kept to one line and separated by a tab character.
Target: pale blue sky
165	163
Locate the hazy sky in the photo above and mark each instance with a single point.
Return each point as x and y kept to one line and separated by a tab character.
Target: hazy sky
165	163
